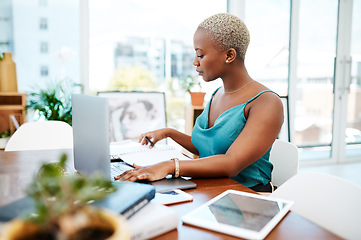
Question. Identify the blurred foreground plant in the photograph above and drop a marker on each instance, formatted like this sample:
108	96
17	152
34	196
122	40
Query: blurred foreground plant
61	200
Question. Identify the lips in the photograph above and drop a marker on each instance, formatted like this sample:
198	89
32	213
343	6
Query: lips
199	73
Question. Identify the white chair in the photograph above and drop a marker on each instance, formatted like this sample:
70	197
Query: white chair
327	200
284	157
41	135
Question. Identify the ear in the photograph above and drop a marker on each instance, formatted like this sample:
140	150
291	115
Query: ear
231	55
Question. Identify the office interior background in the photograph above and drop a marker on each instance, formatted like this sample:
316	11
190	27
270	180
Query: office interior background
308	51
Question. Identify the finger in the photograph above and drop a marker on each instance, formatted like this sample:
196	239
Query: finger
127	177
133	176
143	176
136	166
121	176
141	139
144	141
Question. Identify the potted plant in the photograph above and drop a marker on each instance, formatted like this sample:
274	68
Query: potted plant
62	209
193	86
52	102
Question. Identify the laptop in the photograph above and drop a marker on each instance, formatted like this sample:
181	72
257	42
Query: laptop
91	155
92	143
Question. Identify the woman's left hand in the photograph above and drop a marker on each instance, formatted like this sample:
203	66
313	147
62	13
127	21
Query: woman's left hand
151	173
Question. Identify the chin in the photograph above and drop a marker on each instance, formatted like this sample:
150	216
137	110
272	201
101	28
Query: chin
209	79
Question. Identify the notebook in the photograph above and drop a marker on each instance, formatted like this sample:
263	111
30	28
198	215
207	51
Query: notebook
127	200
131	152
92	146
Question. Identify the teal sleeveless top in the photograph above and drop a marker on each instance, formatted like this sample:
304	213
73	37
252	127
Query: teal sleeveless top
217	140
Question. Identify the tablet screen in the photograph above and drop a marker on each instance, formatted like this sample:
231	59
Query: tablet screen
240	214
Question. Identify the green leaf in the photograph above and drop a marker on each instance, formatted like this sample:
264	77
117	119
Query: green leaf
53	102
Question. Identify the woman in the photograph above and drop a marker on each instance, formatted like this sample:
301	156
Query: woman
234	134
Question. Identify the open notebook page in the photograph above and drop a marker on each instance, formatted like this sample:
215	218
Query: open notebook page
133	152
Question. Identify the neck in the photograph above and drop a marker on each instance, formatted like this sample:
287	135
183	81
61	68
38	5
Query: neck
236	77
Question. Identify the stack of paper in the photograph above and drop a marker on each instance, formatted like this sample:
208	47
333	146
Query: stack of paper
152	220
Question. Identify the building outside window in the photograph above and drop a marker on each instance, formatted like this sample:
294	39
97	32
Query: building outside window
35	44
43	3
43	23
44	47
44	71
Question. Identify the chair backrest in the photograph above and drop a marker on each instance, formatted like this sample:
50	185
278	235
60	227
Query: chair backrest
41	135
327	200
284	157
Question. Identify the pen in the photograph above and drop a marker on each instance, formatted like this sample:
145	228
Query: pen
150	141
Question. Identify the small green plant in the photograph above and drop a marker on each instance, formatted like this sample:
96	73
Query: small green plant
52	103
5	134
189	83
59	196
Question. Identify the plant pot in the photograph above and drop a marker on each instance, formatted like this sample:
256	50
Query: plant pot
197	98
19	229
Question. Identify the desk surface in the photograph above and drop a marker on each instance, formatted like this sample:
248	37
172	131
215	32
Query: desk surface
17	169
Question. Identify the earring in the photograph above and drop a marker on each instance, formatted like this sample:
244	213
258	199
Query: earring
227	61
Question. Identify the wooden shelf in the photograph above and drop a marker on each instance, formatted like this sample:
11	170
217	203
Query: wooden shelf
11	107
12	103
192	112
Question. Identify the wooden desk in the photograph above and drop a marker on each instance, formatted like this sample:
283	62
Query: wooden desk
17	169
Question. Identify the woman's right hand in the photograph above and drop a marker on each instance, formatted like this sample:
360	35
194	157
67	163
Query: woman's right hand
153	137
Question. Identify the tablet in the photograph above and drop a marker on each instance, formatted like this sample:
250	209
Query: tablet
240	214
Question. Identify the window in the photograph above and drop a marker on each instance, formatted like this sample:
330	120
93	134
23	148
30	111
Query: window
44	47
44	71
353	130
43	3
146	42
267	56
154	38
43	24
314	115
56	47
160	40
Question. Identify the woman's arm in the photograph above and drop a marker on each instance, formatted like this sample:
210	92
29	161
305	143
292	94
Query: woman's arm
264	121
182	139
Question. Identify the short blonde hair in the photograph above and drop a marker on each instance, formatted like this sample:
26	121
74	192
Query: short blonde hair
228	31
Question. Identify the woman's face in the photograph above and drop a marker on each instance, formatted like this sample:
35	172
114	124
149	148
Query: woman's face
210	59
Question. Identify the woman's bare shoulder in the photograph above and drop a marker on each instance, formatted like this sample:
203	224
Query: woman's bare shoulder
264	94
267	102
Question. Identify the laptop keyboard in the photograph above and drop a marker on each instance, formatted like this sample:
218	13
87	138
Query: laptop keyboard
117	168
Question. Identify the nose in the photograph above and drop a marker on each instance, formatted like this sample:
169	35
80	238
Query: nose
195	61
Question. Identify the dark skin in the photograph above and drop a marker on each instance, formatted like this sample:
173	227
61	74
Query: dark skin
264	118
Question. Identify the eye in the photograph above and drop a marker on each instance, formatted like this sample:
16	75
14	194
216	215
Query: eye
200	56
